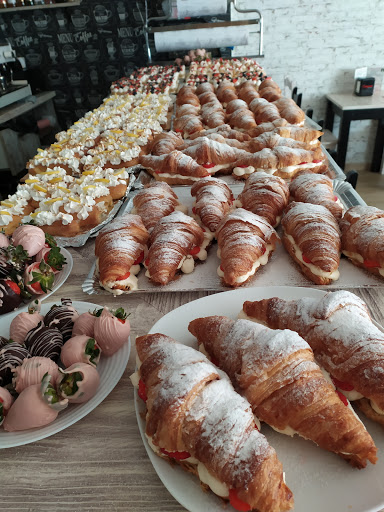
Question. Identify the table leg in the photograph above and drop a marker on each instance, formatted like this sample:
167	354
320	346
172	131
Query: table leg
342	144
378	149
329	116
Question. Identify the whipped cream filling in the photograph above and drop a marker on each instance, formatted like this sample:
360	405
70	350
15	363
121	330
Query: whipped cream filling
240	171
263	260
376	408
352	395
213	483
178	176
313	268
129	284
359	258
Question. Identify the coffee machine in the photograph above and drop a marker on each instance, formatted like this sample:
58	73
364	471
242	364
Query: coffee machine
13	86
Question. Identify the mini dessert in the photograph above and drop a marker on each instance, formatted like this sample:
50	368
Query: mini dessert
12	355
6	400
10	296
44	341
62	317
31	238
24	322
32	371
78	383
80	349
112	330
36	406
85	323
39	278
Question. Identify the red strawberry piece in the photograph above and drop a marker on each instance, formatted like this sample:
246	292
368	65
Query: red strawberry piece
306	260
139	259
176	455
335	198
303	163
193	210
146	262
316	161
142	391
371	264
345	386
342	397
195	250
221	268
13	286
125	276
208	166
237	503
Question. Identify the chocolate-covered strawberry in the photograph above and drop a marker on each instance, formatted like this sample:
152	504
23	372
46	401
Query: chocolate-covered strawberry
80	349
85	323
44	341
12	354
39	278
10	296
53	257
62	317
78	383
6	400
24	322
111	330
12	259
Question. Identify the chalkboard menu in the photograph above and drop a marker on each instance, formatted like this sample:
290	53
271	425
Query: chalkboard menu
78	51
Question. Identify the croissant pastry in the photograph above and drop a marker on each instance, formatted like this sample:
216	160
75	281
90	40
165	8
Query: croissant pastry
226	92
271	140
173	243
196	419
188	124
119	248
187	95
264	195
269	83
155	201
362	239
208	97
269	127
236	105
226	131
345	342
276	372
312	238
204	87
242	119
290	111
247	92
307	187
187	109
213	201
281	161
212	116
174	168
245	242
165	142
213	155
264	111
217	137
307	135
270	93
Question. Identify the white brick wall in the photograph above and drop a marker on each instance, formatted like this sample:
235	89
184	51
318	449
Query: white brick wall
318	45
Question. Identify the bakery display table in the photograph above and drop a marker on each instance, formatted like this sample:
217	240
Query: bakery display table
100	462
356	108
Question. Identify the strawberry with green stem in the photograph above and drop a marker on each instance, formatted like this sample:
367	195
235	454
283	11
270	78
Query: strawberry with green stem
42	277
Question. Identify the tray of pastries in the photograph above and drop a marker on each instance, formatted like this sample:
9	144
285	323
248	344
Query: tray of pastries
215	236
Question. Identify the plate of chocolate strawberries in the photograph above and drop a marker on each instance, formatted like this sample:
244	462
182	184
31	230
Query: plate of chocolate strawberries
32	266
57	363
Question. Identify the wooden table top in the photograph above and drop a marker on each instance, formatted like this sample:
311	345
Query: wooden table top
100	463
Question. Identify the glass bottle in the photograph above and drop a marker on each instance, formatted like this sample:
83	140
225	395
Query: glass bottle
3	4
11	3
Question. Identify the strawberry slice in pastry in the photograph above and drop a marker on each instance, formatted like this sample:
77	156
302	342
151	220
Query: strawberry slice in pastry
175	242
362	238
245	242
312	238
176	168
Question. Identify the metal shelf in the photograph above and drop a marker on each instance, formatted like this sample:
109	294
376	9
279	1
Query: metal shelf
45	6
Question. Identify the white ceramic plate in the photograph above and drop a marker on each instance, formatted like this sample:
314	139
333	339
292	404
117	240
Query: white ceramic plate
110	369
60	279
319	480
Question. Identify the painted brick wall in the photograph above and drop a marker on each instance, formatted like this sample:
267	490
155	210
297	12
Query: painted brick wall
317	45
